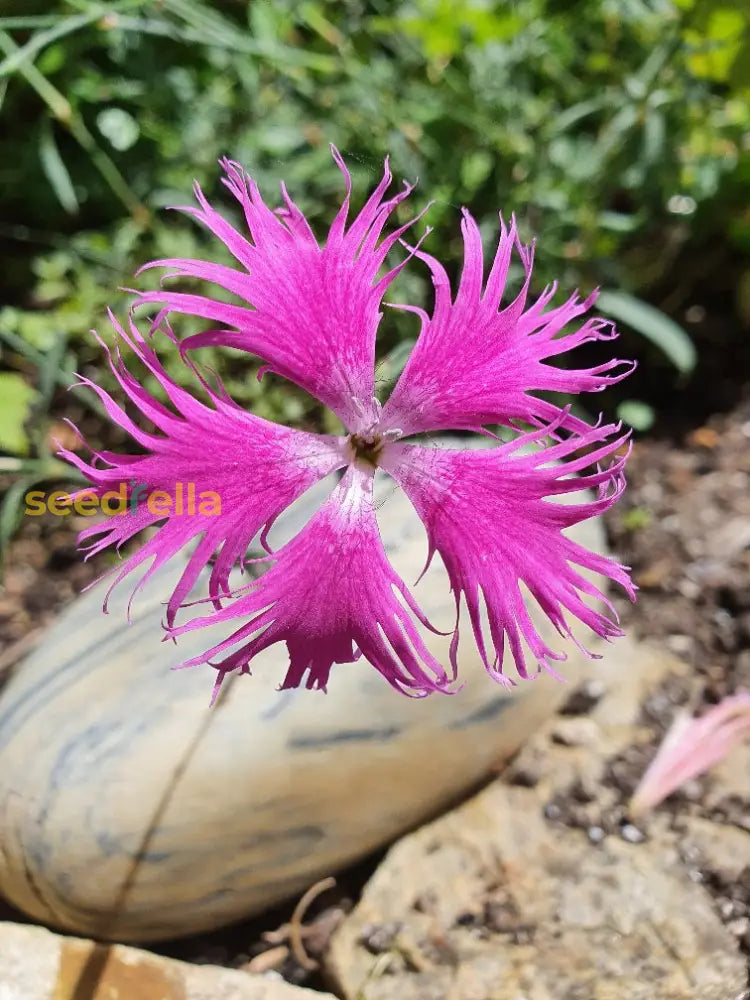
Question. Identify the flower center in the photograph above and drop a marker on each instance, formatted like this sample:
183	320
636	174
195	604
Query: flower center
367	447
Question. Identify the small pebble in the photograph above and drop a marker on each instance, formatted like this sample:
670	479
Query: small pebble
679	644
692	790
378	938
576	732
722	618
691	854
595	834
632	834
710	517
689	589
652	493
552	811
739	927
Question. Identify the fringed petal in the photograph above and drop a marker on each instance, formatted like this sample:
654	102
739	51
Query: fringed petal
330	596
211	472
476	363
487	514
314	310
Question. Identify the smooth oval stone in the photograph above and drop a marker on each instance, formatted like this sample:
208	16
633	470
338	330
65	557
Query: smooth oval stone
129	809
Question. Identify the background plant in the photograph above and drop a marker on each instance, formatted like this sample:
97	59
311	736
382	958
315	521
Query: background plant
615	129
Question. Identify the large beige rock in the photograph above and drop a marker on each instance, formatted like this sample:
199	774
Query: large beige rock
129	809
36	964
495	902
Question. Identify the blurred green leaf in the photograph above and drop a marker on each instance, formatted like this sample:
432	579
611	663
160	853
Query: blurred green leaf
636	519
575	114
11	511
653	324
55	170
618	222
16	399
654	135
638	414
718	42
118	127
476	168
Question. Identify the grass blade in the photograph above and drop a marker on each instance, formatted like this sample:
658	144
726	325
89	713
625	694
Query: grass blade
56	172
653	324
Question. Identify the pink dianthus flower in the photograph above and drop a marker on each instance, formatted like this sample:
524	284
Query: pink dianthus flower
312	312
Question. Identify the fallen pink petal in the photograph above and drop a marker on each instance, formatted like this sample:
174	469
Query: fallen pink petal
311	311
691	747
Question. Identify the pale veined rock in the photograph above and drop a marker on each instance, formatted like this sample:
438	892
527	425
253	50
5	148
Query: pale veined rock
129	809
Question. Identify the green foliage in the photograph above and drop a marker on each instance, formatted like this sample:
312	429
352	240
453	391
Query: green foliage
613	128
636	519
638	414
16	397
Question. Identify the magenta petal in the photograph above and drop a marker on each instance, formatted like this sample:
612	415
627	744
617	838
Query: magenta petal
211	472
486	514
314	310
477	363
331	595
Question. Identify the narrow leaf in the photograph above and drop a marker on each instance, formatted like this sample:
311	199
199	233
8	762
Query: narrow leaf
11	510
651	323
55	170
